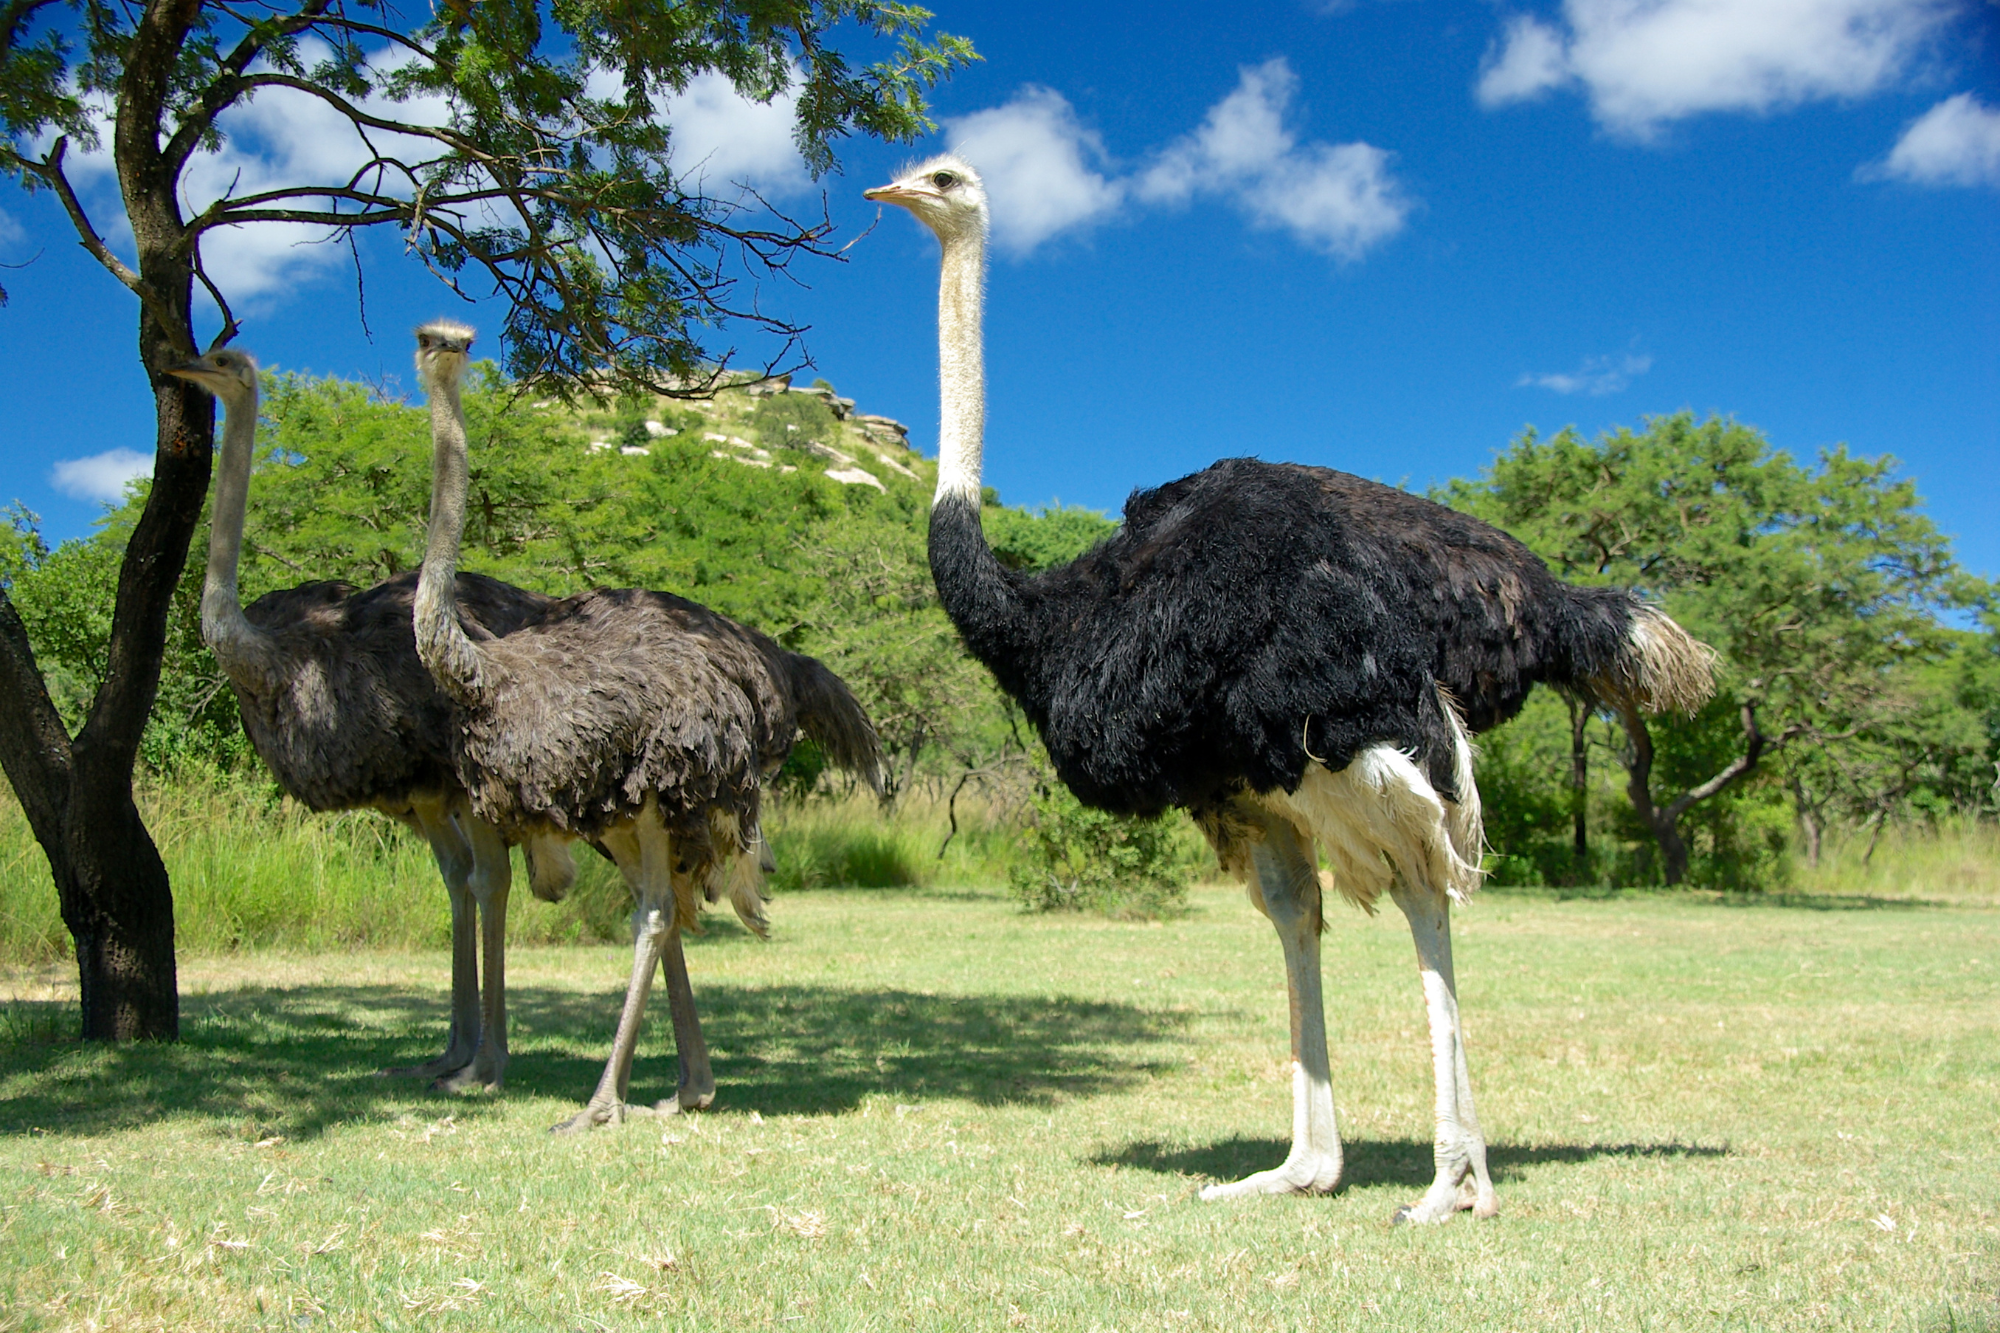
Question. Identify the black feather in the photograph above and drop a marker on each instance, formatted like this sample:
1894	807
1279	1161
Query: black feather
351	717
1254	615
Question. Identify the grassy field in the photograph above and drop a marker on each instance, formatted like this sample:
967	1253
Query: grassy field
937	1113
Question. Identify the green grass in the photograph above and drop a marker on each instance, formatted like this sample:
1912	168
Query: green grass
252	871
937	1113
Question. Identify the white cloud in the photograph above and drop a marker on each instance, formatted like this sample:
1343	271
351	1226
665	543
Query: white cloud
1339	198
721	138
278	139
1956	142
719	135
102	476
1034	157
1525	62
1644	63
1243	135
1046	172
1599	375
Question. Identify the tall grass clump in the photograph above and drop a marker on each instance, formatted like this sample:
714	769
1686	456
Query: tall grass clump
31	929
1956	859
254	870
922	842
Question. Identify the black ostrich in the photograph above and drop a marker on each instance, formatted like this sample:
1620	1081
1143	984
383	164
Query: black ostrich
1295	656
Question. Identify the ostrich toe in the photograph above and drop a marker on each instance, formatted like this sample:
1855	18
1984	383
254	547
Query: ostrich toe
1305	1173
470	1078
591	1116
452	1060
1444	1198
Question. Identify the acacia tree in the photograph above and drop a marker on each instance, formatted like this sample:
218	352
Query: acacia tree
519	147
1817	585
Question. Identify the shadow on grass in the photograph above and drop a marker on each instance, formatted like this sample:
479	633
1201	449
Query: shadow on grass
1810	902
1830	902
1404	1162
261	1061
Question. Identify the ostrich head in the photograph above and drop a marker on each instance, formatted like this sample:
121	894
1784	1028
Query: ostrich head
228	374
944	193
443	347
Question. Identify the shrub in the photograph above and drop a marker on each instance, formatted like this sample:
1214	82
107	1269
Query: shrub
1089	861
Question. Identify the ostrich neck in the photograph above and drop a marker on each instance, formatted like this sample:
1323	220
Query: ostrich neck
961	368
441	640
241	649
979	595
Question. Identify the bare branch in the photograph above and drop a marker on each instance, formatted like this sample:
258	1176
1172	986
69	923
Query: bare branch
229	328
51	171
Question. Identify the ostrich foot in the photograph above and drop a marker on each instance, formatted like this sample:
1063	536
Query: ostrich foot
471	1078
686	1100
450	1062
1302	1173
593	1114
1446	1197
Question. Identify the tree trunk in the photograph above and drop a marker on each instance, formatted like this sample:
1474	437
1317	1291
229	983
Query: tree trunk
119	908
1663	824
1579	785
1664	821
1808	822
115	897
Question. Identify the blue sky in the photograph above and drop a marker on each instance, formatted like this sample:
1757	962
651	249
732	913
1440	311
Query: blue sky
1379	235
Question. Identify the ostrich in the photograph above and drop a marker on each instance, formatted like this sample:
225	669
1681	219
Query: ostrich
635	718
1295	656
343	713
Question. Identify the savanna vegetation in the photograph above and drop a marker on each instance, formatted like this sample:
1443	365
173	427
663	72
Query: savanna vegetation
1855	724
1709	1108
519	150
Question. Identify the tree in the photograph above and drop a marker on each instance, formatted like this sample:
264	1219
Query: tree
513	144
1816	584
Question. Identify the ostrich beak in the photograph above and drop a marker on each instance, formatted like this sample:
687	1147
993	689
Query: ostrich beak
892	193
197	370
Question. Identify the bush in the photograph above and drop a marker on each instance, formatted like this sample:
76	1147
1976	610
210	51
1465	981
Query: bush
1089	861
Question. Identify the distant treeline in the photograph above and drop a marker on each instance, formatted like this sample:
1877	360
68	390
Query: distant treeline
1848	696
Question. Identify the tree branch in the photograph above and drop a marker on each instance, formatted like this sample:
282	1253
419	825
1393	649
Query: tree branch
228	83
50	171
1759	745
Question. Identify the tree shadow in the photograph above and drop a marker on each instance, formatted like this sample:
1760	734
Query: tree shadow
1830	902
1810	902
1405	1162
263	1061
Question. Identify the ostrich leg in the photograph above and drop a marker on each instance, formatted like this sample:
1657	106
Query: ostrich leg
454	856
1459	1148
492	877
697	1080
607	1104
1286	889
645	858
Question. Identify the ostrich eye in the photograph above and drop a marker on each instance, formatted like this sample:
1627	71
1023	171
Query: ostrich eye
944	180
